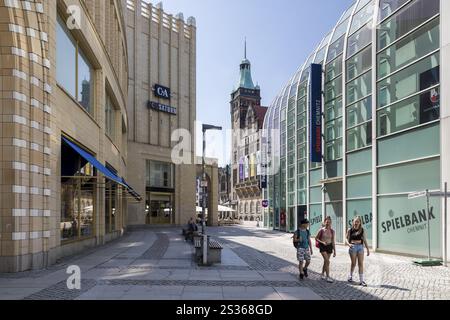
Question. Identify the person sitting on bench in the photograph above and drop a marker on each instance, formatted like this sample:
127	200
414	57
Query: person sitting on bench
191	228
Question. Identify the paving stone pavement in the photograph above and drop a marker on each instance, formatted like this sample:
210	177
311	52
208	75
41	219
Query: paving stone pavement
157	264
389	277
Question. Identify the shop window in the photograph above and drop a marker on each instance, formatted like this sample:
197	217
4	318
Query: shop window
78	185
111	208
73	71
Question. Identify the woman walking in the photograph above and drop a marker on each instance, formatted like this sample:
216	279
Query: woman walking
325	240
356	240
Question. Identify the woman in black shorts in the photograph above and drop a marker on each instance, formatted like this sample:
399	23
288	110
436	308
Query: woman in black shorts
327	246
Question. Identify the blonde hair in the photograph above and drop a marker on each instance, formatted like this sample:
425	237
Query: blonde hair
360	223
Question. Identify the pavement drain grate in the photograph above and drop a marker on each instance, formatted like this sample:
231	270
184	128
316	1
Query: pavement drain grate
158	249
199	283
60	291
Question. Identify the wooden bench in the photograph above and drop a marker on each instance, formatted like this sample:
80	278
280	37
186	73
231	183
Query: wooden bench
214	252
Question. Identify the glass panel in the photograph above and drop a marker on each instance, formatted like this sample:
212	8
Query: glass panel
359	186
359	88
403	225
315	176
389	6
320	56
110	118
406	20
301	182
333	109
363	209
333	130
315	195
333	150
359	40
359	112
360	161
426	142
333	168
414	46
333	89
333	69
363	3
340	30
334	210
361	17
336	48
85	83
359	63
359	137
301	105
415	78
301	167
408	113
65	59
315	218
160	175
302	90
301	197
417	176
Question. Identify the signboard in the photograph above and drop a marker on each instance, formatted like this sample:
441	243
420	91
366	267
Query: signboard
265	203
162	107
417	195
162	92
315	104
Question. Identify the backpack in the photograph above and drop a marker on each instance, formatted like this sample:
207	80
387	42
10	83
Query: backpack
297	233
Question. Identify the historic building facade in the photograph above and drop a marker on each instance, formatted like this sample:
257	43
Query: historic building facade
62	185
161	99
247	116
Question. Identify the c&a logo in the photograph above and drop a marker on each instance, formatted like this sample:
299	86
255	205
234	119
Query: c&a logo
162	92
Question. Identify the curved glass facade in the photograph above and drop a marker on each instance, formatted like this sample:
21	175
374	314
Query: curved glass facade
380	129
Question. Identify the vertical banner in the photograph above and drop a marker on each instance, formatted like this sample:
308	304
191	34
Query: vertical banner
258	163
315	104
241	169
246	167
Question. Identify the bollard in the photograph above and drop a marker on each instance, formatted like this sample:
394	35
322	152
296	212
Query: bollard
205	249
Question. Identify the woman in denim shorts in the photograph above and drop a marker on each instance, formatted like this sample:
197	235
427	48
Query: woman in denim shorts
356	240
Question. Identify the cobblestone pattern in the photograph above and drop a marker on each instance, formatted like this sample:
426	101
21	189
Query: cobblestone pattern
60	291
199	283
388	277
158	249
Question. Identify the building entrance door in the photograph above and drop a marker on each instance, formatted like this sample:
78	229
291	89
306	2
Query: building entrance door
159	208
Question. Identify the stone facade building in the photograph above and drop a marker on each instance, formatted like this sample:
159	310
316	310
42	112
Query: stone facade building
63	128
162	99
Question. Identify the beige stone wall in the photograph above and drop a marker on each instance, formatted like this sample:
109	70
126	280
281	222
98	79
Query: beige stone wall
162	50
35	112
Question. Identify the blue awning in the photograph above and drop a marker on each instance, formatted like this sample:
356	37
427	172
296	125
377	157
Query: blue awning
100	167
91	159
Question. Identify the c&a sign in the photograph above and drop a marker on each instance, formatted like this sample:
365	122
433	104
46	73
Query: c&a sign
162	92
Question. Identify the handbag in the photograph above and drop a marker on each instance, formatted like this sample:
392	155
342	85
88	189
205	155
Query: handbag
319	236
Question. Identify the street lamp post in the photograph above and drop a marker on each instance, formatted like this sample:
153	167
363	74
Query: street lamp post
205	128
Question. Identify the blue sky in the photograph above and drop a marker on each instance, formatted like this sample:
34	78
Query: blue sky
280	35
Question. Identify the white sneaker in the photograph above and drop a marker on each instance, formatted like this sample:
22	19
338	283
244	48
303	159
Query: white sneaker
323	277
329	280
